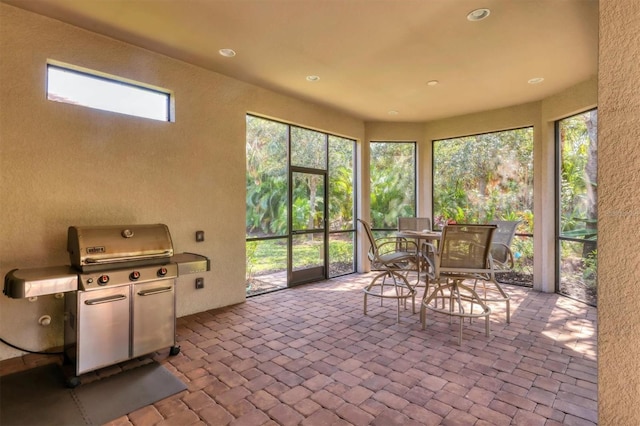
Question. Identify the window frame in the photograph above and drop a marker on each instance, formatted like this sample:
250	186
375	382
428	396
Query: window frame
166	102
558	237
327	171
433	160
379	231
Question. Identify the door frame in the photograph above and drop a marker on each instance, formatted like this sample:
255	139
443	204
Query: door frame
317	273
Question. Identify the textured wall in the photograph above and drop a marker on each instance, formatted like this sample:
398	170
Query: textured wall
63	165
619	213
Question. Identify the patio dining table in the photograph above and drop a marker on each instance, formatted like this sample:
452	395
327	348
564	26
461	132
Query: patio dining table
419	236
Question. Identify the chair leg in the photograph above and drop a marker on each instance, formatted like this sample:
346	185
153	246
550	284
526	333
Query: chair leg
425	302
487	326
475	283
371	284
413	290
365	303
399	295
423	308
399	283
504	297
451	304
483	305
458	294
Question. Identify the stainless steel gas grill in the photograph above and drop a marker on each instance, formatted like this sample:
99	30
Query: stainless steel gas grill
119	292
125	303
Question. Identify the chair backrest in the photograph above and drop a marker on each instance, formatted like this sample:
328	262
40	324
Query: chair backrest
502	238
414	224
372	241
465	248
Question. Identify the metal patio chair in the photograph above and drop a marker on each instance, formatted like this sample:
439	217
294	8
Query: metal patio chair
501	245
462	256
414	224
418	224
395	258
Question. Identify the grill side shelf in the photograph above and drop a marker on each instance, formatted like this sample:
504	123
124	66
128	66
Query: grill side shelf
24	283
191	263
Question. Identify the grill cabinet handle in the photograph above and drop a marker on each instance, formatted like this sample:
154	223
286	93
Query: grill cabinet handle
154	291
126	258
107	299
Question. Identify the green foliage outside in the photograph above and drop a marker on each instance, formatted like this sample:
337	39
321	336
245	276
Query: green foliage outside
578	197
341	183
393	183
476	179
266	256
270	256
487	177
578	205
267	177
484	177
267	196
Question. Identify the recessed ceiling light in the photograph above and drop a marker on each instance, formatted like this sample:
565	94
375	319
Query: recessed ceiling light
536	80
392	112
433	83
228	53
313	78
478	15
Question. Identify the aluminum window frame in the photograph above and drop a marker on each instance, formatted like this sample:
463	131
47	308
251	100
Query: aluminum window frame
139	103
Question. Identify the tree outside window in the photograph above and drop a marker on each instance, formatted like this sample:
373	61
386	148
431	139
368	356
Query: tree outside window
480	178
578	201
393	183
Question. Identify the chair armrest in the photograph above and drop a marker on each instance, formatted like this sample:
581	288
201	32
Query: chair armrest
430	269
427	249
509	262
396	244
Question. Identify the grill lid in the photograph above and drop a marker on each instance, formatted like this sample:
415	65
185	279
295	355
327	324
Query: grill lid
94	248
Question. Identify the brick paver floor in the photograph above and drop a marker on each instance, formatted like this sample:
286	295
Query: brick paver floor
308	356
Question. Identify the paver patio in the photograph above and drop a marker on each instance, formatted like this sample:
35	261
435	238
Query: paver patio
309	356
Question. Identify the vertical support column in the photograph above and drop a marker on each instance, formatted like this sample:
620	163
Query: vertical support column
544	207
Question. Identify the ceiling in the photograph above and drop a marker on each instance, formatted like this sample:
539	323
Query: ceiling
373	57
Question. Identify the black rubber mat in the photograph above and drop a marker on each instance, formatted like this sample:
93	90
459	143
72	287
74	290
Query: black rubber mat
40	397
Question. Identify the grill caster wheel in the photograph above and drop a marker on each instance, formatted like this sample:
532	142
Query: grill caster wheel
66	361
175	350
72	382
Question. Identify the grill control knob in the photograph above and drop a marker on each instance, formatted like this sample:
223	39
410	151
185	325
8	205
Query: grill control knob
103	279
134	275
162	272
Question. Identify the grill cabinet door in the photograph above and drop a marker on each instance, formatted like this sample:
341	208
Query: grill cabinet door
103	327
154	316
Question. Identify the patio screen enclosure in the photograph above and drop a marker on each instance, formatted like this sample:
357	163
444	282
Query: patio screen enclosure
300	205
392	174
485	177
577	201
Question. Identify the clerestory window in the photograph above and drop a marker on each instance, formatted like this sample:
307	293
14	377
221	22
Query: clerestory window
107	93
